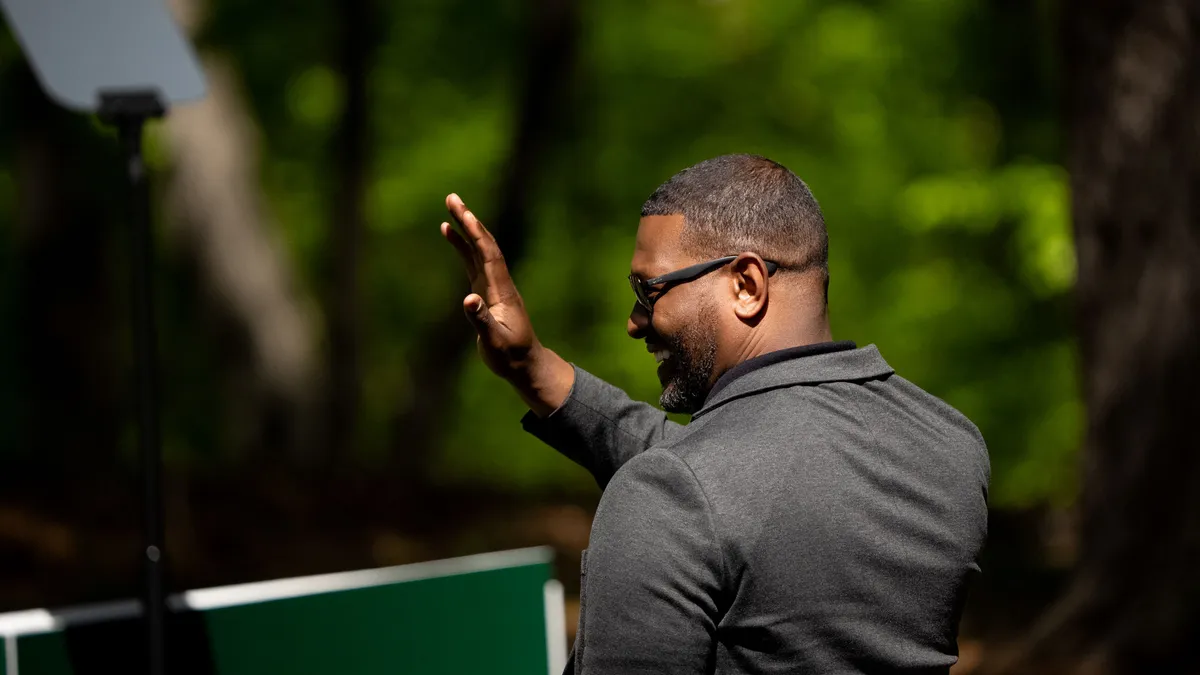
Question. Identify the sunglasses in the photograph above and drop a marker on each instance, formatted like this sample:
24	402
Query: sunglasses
649	291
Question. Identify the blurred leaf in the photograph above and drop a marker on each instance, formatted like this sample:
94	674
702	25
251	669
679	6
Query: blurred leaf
314	97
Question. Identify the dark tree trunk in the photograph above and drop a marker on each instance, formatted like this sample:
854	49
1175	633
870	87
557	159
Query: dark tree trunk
550	61
70	392
350	143
1132	74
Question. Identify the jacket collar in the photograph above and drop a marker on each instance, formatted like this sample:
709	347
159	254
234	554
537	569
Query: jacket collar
838	366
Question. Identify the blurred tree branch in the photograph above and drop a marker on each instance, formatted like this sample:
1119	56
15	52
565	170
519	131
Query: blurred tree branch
214	198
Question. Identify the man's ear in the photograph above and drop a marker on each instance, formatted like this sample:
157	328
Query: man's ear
749	284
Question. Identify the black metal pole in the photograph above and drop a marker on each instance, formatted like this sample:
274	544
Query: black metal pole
130	124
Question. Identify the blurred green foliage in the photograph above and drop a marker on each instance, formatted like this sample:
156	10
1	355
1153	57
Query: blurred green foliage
926	128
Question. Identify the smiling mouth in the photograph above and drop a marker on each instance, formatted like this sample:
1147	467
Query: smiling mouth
660	353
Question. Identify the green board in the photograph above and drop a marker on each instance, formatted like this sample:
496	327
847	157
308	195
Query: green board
497	613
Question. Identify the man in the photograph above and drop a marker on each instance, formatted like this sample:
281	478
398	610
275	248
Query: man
819	514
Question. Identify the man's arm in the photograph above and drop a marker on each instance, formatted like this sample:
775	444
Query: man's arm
593	423
599	427
652	588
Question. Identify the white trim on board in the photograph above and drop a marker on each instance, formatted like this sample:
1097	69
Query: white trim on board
556	626
10	655
45	621
263	591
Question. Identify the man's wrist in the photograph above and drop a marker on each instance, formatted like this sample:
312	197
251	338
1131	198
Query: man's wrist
545	382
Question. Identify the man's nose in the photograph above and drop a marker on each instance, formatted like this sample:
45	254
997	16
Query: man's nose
639	322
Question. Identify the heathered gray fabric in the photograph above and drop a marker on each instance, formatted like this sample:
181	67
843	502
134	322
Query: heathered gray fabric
819	515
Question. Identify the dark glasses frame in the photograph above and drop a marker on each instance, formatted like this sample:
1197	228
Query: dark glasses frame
660	285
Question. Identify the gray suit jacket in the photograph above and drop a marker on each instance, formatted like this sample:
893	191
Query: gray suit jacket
818	515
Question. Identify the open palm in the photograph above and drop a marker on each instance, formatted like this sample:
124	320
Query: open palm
494	307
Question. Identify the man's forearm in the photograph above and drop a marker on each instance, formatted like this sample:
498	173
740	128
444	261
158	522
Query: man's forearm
545	382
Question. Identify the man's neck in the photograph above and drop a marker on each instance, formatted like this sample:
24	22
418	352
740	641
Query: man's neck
767	339
798	334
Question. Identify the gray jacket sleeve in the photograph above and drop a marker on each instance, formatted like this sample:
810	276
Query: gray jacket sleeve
599	427
651	591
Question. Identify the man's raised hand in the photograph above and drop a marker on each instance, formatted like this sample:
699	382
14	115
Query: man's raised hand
506	339
494	307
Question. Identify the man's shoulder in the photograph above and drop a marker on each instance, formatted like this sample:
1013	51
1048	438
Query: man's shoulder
657	471
773	426
753	431
765	416
903	394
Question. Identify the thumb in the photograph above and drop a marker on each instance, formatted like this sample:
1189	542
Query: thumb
477	313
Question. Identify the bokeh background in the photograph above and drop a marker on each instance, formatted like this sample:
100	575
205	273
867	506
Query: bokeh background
324	408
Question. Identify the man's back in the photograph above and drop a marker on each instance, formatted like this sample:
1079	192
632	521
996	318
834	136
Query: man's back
819	515
850	515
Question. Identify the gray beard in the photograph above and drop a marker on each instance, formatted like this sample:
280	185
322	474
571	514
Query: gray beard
695	355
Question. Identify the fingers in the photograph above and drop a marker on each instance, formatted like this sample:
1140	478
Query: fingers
463	249
486	255
482	240
457	209
477	313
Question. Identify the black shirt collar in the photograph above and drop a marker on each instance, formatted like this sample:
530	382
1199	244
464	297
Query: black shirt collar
772	358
